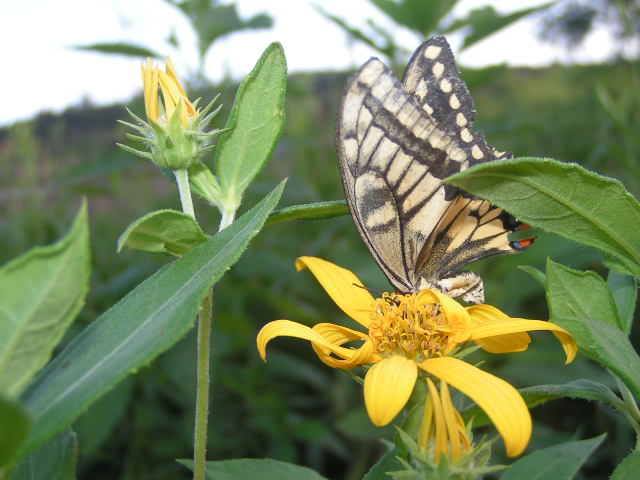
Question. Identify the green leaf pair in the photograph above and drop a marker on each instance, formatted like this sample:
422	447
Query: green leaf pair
145	323
133	332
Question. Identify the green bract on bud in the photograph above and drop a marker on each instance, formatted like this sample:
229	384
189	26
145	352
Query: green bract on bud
174	132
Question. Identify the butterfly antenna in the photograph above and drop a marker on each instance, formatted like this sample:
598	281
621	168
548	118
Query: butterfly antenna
370	290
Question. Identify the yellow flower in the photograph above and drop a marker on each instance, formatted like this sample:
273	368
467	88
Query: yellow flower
442	424
418	332
172	92
174	134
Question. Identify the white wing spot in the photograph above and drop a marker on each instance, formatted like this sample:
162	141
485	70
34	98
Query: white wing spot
465	134
476	152
445	85
432	52
454	102
461	120
438	69
427	109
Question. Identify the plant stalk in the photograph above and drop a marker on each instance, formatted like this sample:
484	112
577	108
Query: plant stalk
202	389
182	178
227	219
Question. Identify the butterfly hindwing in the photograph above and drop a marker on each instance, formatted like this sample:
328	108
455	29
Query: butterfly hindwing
396	143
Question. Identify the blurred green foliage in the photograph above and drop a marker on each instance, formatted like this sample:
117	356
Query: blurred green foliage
294	408
426	19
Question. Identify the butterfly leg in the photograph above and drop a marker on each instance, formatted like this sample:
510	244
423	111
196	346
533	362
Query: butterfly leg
467	285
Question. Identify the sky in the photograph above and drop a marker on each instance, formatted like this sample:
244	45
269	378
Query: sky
43	72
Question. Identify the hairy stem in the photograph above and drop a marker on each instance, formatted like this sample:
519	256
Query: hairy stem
182	177
202	393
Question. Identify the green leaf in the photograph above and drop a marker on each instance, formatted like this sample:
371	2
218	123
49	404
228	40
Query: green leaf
573	295
387	463
95	426
534	272
628	468
583	389
163	231
212	21
203	183
255	125
145	323
120	48
14	425
256	469
562	198
389	48
310	211
420	16
578	302
42	292
559	462
485	21
56	459
624	289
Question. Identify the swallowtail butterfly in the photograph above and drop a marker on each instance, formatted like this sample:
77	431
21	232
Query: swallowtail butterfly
396	143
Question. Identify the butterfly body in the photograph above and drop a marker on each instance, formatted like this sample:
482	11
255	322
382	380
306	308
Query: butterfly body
396	143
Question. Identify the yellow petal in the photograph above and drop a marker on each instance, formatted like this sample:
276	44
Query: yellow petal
340	284
339	335
428	420
170	93
514	342
172	73
150	85
287	328
458	319
513	325
449	413
387	387
441	437
501	402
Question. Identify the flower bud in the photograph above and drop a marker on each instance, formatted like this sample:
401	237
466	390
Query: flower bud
174	132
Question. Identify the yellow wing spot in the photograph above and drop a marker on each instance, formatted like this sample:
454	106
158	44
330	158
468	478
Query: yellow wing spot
457	154
421	89
445	85
380	216
437	139
438	69
461	120
432	51
454	102
476	152
465	134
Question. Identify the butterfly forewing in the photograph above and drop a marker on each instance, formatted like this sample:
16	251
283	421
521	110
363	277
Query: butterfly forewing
396	143
393	158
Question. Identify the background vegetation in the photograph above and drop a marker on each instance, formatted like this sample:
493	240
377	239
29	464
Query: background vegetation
293	408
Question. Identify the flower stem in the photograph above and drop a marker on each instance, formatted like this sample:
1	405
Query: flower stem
182	177
202	392
226	220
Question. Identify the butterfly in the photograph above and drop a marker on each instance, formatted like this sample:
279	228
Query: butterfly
396	142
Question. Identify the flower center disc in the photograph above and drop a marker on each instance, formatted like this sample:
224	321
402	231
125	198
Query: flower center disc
409	325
